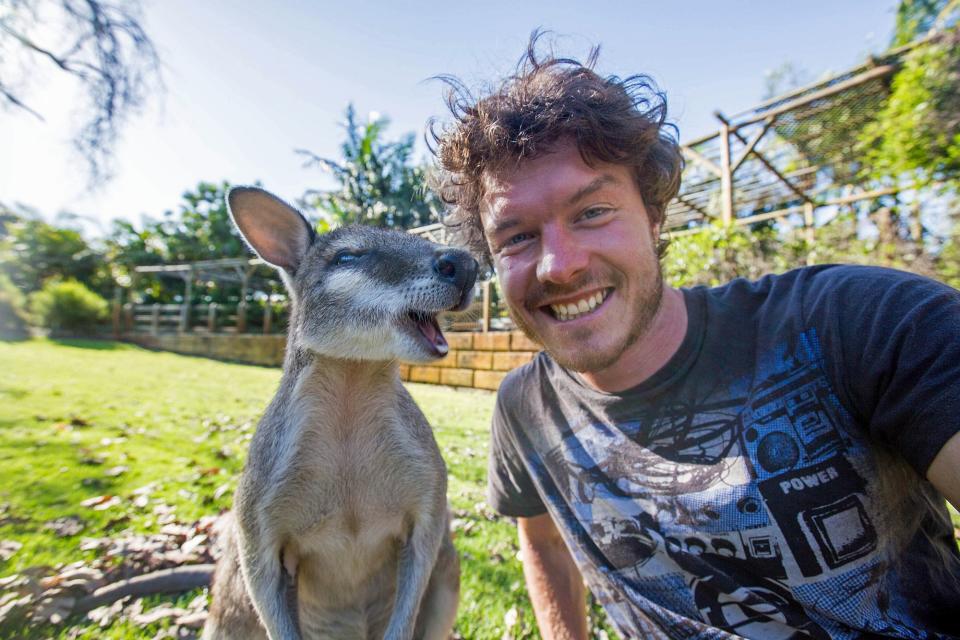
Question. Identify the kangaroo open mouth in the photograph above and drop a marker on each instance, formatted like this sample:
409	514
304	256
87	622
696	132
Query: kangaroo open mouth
429	329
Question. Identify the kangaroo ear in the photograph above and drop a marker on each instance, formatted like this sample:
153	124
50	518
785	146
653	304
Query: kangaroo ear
274	229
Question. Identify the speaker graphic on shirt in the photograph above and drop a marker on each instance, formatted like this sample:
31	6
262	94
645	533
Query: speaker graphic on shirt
809	487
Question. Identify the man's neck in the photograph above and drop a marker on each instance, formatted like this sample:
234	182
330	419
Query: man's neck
650	352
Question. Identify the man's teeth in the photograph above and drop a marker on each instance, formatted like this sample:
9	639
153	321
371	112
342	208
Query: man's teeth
571	310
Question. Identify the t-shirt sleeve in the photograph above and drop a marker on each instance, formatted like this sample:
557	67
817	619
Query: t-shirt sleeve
899	335
510	490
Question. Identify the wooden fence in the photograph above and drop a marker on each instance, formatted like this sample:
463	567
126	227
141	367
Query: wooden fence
477	359
485	314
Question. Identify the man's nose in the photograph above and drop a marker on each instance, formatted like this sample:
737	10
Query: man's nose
562	256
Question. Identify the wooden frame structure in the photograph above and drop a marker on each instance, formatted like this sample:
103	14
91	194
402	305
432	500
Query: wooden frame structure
236	270
778	159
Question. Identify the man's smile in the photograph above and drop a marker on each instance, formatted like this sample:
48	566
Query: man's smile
578	306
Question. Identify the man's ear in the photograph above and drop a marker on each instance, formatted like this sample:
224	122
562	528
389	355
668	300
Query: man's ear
273	229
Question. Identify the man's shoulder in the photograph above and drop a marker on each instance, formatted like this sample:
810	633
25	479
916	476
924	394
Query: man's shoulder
517	382
530	387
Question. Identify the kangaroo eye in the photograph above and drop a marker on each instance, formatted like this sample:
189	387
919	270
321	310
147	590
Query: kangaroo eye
345	257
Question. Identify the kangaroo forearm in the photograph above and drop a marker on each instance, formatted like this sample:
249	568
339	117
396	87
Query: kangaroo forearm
264	576
413	573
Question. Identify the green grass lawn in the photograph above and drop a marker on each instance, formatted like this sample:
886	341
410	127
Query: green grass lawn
73	412
80	419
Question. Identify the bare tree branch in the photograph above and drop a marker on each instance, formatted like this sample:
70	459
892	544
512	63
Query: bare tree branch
17	103
107	51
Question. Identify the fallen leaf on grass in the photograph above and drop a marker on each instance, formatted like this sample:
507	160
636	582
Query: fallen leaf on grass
13	607
463	525
87	456
101	503
7	517
43	595
113	472
66	526
165	513
53	609
8	548
115	522
76	577
103	616
92	483
193	544
161	612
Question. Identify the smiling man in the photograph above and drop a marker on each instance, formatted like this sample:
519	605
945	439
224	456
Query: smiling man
763	459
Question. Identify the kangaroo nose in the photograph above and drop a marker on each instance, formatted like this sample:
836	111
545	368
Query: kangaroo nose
456	267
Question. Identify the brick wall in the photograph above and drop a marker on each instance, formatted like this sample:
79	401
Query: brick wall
478	360
250	349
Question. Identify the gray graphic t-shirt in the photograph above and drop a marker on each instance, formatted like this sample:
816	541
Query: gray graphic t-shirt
735	491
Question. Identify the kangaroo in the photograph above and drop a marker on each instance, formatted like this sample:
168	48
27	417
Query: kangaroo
340	527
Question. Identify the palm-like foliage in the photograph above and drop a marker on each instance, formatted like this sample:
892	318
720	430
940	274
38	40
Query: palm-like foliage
378	183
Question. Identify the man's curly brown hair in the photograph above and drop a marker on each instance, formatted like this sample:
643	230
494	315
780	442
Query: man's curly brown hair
548	99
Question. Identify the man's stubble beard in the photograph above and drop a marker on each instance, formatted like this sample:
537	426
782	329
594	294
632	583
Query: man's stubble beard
647	305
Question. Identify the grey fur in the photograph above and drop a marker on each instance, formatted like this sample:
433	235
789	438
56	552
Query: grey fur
341	526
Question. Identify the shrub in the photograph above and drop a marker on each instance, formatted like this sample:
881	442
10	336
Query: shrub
717	254
68	307
13	309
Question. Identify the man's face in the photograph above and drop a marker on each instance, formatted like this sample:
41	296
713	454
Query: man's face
576	255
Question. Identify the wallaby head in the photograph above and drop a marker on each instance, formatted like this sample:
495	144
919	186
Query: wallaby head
360	293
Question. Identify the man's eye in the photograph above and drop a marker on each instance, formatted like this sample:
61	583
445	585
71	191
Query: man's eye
595	212
345	257
517	239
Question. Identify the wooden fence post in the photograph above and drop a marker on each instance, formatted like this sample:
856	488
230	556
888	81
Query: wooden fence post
242	317
916	226
726	175
185	307
155	319
130	320
212	317
267	317
809	231
486	306
117	313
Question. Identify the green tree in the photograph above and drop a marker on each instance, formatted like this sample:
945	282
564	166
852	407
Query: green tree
917	133
915	18
13	309
378	183
34	251
201	228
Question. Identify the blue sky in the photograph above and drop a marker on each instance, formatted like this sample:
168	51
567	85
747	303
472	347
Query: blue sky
249	82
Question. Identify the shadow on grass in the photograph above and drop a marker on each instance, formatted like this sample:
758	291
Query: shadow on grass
97	344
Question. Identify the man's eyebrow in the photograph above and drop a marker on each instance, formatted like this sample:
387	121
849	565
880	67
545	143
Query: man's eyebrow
595	185
502	226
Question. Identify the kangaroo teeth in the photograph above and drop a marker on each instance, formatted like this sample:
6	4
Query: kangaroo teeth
571	310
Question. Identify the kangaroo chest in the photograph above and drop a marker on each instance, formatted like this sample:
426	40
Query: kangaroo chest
360	483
